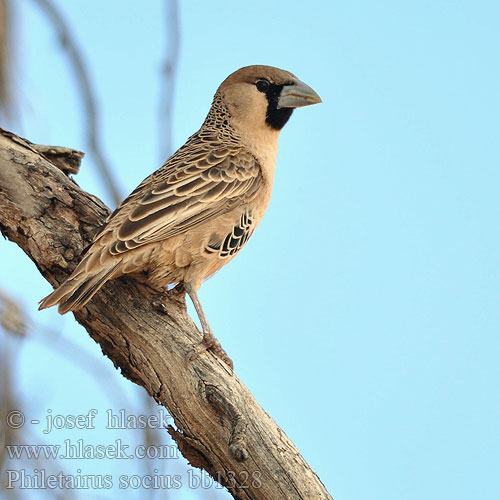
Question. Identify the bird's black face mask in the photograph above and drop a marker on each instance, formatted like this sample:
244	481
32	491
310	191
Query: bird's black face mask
275	118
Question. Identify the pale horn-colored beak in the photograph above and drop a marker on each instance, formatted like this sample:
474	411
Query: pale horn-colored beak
296	95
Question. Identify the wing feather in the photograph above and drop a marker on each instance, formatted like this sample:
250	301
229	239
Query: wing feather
197	183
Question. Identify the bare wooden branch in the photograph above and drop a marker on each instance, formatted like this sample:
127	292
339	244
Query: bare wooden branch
167	78
219	425
6	97
86	92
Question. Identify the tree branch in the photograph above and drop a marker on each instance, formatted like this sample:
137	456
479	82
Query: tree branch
87	94
167	80
219	425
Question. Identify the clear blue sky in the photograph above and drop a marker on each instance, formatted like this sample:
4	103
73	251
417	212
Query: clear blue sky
374	276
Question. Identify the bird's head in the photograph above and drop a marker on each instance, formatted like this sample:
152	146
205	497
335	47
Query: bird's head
263	97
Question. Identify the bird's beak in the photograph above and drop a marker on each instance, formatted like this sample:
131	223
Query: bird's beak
297	94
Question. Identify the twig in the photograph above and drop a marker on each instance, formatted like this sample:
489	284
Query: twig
169	69
81	74
6	97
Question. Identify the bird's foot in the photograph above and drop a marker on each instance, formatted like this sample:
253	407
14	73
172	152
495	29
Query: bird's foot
210	343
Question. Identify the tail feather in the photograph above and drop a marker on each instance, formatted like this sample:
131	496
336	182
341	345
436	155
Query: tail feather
76	291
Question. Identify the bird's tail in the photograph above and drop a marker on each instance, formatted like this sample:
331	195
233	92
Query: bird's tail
77	290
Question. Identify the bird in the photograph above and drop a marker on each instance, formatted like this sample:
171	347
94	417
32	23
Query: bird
196	212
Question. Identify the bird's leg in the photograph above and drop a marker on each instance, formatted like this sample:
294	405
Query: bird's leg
209	341
208	336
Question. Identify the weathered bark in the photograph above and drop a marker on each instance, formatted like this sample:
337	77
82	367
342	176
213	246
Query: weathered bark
220	426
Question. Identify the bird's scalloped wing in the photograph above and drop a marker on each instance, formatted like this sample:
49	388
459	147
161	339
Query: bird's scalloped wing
199	182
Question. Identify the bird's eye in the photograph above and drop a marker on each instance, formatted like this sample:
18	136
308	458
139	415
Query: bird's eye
262	85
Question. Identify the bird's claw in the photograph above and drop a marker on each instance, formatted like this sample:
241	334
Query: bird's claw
210	343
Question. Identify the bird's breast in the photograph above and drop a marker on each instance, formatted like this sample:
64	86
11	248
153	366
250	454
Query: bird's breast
266	154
